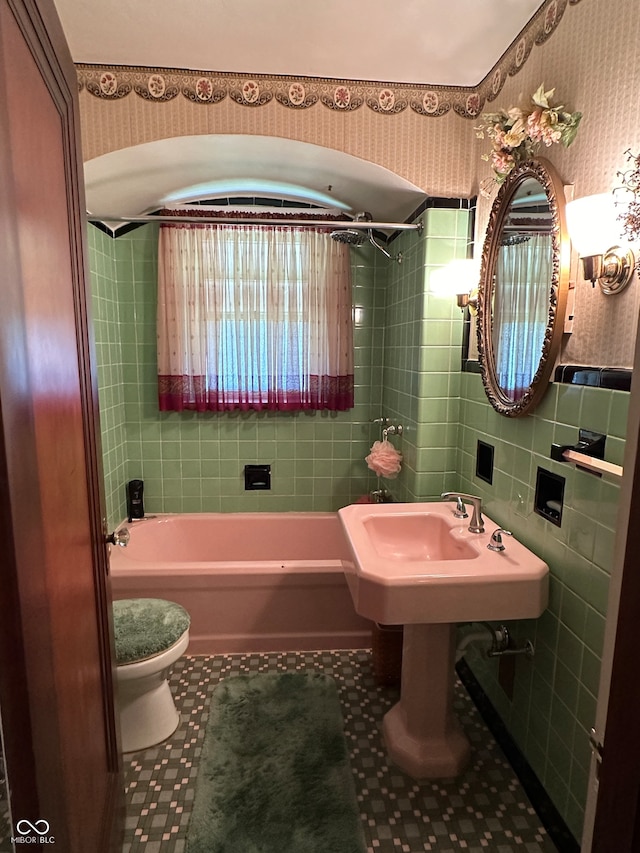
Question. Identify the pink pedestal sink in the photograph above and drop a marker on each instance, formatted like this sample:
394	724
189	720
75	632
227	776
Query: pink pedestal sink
417	565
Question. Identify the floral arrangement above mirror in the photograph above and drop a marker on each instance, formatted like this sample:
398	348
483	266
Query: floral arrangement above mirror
517	133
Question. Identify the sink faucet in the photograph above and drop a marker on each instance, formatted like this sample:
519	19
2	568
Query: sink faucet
477	522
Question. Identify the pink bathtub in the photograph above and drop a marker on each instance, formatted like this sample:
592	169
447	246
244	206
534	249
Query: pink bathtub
251	581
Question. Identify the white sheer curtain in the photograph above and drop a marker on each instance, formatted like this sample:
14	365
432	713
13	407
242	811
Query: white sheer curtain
253	317
521	311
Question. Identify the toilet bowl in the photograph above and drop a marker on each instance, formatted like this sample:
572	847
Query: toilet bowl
151	634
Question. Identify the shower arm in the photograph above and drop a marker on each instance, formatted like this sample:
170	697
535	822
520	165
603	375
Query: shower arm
294	223
387	254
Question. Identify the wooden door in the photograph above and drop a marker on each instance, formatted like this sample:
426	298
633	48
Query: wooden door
56	687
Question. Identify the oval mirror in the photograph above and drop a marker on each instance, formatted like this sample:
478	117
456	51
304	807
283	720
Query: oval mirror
523	288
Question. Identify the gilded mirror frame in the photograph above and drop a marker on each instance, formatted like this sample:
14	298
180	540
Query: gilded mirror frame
545	174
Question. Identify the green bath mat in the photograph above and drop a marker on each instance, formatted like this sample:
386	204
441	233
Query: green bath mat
274	775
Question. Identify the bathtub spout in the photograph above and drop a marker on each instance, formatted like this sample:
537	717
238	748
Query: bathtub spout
381	496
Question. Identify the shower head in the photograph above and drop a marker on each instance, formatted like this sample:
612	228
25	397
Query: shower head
349	236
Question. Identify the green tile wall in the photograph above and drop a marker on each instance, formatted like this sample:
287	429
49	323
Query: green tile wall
105	308
554	701
423	338
194	462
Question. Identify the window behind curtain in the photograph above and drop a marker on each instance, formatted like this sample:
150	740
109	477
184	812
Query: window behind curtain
253	317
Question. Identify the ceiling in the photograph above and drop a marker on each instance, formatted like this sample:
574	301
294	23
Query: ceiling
453	43
405	41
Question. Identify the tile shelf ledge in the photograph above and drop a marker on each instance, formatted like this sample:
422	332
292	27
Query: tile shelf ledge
611	378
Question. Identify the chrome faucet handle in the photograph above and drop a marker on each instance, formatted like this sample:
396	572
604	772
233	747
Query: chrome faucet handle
495	543
477	522
460	511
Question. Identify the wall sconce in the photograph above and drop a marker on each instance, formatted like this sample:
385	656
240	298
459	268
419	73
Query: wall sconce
458	278
593	226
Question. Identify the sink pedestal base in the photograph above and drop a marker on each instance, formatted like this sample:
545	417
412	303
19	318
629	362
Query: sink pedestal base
421	732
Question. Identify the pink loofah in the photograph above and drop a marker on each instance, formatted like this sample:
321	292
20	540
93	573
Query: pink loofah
384	459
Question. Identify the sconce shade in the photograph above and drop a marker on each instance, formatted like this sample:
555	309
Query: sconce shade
593	224
457	277
595	230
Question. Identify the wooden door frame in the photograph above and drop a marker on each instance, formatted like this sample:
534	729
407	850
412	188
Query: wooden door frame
28	687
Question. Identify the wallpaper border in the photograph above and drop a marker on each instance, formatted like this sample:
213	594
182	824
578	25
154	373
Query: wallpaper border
112	83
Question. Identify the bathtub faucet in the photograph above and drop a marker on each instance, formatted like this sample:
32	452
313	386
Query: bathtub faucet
477	521
381	496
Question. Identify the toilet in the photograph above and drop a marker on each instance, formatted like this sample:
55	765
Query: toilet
151	634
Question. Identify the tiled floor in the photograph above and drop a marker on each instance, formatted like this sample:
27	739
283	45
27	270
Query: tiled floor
485	809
